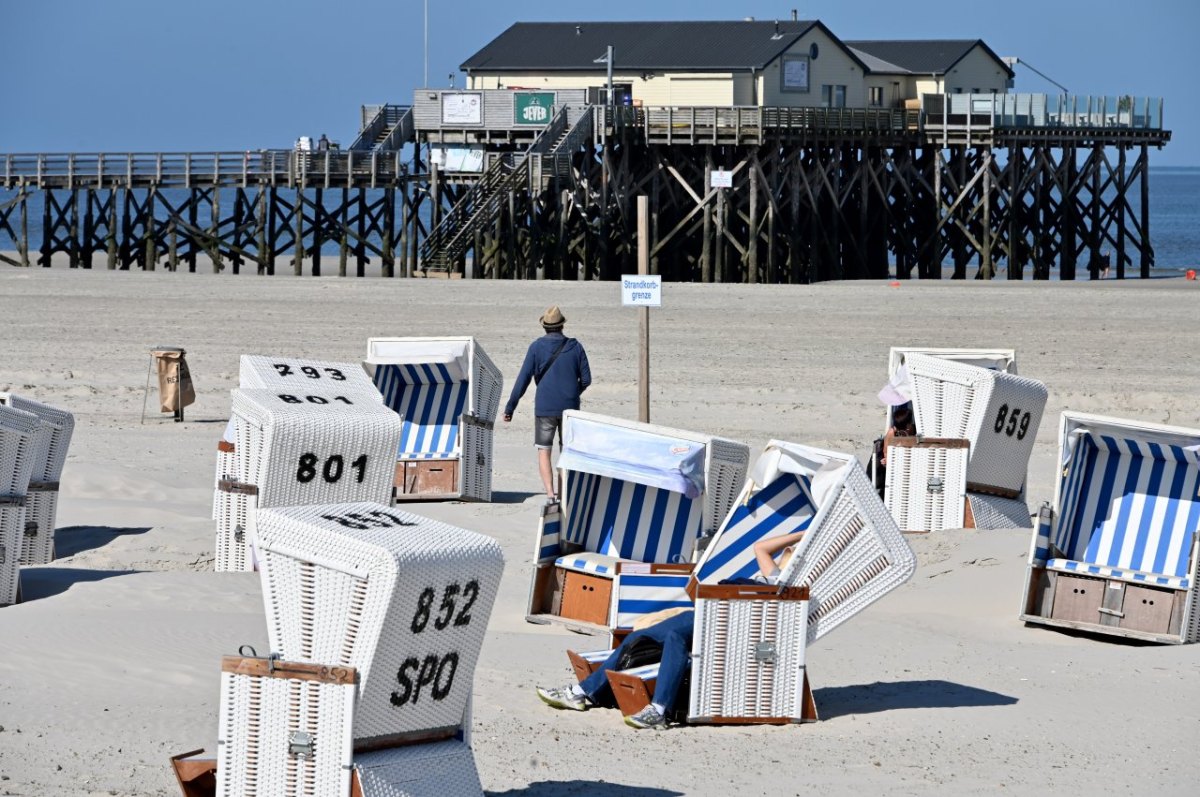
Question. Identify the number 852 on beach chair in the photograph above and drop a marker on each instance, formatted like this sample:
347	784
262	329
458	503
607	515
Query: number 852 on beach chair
636	500
1118	552
447	392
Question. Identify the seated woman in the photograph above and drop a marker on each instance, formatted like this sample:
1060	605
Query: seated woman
764	554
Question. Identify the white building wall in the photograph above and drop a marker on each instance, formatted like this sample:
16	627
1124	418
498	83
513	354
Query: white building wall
832	66
977	73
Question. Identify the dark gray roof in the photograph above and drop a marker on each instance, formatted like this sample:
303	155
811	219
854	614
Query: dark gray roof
684	46
923	56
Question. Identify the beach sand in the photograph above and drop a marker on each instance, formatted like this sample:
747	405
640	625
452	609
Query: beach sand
111	664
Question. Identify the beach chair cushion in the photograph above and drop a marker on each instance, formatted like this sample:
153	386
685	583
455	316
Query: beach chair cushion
630	521
430	399
1128	506
595	563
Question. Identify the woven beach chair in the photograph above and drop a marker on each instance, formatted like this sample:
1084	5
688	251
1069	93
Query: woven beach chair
637	498
403	599
1118	551
19	432
925	485
447	390
285	728
41	509
286	453
748	650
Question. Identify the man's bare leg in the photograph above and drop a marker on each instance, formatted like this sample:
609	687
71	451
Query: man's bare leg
546	471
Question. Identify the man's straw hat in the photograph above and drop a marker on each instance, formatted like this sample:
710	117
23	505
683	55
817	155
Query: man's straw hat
553	317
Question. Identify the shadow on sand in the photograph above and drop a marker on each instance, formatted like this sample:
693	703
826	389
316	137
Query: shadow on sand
511	496
46	582
839	701
552	788
71	540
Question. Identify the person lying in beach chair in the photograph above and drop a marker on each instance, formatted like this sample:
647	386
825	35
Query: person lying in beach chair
669	642
769	570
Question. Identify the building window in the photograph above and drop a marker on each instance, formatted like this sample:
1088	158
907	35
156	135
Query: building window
875	96
833	96
793	76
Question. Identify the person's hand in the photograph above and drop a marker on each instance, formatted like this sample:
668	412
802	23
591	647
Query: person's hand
507	417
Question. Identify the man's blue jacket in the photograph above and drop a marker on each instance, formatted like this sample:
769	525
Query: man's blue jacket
561	386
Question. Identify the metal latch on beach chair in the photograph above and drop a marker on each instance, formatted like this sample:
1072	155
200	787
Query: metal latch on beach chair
43	487
935	484
764	651
31	528
236	487
12	500
300	744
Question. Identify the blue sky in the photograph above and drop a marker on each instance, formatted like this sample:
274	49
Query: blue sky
166	75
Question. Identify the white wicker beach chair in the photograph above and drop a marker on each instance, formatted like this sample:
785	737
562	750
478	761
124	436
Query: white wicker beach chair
926	483
1118	552
286	453
41	509
997	412
19	431
447	390
748	648
301	377
285	728
637	498
403	599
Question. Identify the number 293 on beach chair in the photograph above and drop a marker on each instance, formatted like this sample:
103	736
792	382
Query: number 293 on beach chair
403	600
447	391
1118	552
636	500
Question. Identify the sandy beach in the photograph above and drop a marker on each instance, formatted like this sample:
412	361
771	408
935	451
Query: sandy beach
111	663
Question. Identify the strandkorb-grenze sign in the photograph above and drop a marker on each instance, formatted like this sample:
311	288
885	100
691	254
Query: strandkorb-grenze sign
641	290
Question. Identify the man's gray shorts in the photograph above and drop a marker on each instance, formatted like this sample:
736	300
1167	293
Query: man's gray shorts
544	427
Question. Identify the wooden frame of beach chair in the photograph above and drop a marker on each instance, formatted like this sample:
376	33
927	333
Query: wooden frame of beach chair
852	554
284	728
19	432
1118	552
986	509
41	510
925	485
620	542
403	599
447	391
286	453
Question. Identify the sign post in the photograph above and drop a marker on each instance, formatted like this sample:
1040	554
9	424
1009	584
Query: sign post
643	291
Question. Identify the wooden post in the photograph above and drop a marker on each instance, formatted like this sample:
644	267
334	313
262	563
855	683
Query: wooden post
1096	232
752	243
46	248
262	245
985	257
88	244
23	245
1147	259
706	264
194	198
643	215
110	239
343	218
1016	204
1122	203
318	228
172	246
74	228
298	243
360	247
385	234
214	231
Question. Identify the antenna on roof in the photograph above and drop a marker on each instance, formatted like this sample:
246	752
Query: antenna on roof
578	30
795	15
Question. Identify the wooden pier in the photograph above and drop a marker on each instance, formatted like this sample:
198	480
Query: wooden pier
1004	185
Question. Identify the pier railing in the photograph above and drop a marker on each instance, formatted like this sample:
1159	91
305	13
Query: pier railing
287	168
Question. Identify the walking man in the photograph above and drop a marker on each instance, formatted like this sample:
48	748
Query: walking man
558	366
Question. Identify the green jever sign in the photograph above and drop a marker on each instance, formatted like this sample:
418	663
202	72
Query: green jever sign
533	108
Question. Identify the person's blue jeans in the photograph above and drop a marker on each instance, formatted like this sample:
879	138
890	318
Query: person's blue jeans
675	636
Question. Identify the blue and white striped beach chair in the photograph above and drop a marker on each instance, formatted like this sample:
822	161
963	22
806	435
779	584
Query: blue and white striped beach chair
1118	552
447	393
636	500
748	652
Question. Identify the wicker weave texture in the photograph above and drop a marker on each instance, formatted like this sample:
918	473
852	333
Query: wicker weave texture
63	423
1191	610
748	659
258	717
18	431
302	453
486	384
476	461
441	769
728	463
37	543
12	526
402	598
999	413
301	377
852	555
925	487
994	512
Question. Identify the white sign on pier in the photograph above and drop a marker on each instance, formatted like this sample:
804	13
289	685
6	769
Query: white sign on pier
641	290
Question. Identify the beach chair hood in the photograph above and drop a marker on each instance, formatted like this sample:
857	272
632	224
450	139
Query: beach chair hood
635	456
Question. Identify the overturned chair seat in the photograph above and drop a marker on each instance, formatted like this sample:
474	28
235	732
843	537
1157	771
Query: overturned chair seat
447	391
20	435
636	499
971	395
1118	552
41	510
286	453
294	381
405	601
750	639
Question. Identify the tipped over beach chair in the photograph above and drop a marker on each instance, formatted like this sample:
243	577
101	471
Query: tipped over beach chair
1118	552
41	510
19	435
636	500
971	395
447	391
405	601
287	453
